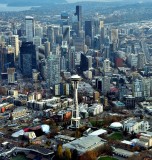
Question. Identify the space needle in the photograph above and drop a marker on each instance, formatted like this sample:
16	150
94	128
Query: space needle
75	120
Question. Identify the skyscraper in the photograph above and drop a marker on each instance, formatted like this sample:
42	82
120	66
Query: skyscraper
27	58
50	34
6	57
64	56
106	85
88	29
88	33
106	67
71	58
47	49
79	14
64	18
15	44
30	28
53	70
38	31
66	33
79	17
141	61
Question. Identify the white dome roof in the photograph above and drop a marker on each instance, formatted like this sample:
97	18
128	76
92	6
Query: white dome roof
45	128
116	125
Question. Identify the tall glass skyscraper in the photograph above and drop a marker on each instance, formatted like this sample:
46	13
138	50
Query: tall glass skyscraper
27	58
30	28
53	70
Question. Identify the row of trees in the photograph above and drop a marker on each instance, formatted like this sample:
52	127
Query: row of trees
67	154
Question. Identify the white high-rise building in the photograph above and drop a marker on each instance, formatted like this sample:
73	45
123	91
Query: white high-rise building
15	44
53	70
37	41
39	31
146	87
89	62
114	35
138	88
132	60
106	66
11	75
30	28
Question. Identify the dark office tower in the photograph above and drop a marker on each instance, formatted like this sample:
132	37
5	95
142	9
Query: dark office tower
6	58
47	49
112	55
27	58
106	54
59	39
2	57
50	34
79	17
79	14
88	29
122	88
84	64
88	41
71	58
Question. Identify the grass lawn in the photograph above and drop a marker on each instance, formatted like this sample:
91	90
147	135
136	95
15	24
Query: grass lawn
116	136
19	157
107	158
96	123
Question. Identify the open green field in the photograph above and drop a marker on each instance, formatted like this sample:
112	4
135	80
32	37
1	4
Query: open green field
19	157
107	158
116	136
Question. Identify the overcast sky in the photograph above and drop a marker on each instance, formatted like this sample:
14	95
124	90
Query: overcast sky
90	0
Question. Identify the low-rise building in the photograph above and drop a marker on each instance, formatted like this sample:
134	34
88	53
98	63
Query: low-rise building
145	141
19	112
135	125
64	138
85	144
95	109
123	153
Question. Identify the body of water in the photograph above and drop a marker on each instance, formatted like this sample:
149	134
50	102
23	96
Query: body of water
6	8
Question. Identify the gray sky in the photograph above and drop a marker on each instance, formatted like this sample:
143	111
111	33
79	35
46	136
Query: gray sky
71	1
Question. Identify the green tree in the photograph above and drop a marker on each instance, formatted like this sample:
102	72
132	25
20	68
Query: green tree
75	154
77	133
67	154
60	151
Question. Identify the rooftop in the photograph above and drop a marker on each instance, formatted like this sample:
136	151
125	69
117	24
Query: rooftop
98	132
118	103
84	144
